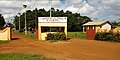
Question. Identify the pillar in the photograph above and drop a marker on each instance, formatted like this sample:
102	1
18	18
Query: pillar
9	33
39	33
83	29
65	30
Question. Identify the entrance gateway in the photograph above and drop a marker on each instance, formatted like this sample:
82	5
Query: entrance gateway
51	25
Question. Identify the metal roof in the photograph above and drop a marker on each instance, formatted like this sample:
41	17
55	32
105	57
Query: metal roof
95	23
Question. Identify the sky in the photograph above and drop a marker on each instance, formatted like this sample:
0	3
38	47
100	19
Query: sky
95	9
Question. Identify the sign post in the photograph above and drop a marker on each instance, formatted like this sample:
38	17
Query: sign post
52	19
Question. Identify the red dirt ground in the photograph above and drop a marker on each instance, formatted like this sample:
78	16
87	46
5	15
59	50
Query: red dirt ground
74	49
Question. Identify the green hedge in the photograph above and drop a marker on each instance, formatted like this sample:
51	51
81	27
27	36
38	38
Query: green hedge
23	57
108	36
56	36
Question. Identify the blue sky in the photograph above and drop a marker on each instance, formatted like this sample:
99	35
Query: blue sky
95	9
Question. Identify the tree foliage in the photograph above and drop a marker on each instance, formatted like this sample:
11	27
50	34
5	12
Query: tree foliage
75	20
2	21
116	23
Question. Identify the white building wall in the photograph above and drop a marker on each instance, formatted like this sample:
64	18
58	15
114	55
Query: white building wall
106	26
52	24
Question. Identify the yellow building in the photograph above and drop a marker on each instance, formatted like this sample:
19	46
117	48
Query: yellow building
98	25
51	25
5	34
95	26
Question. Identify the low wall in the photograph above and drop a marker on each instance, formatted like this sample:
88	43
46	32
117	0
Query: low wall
117	29
5	34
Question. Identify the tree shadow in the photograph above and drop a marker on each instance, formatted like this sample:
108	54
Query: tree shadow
68	38
14	39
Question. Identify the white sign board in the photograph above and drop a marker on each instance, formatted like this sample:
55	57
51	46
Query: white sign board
52	19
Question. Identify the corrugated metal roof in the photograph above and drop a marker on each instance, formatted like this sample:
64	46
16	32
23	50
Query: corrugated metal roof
95	23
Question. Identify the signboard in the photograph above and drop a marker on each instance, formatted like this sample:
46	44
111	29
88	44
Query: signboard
52	19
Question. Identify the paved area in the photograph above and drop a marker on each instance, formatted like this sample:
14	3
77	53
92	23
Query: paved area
74	49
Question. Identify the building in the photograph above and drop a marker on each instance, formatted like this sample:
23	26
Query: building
95	26
51	25
6	34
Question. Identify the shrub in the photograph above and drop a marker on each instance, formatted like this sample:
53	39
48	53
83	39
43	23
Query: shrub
108	36
116	36
50	36
62	36
56	36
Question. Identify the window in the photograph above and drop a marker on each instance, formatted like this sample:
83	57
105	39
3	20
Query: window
52	29
45	29
91	27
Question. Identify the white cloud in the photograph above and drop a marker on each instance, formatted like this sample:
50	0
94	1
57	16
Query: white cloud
101	9
110	2
55	3
86	9
8	15
71	8
11	4
76	1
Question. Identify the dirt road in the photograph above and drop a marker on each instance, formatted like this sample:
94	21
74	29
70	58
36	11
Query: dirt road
74	49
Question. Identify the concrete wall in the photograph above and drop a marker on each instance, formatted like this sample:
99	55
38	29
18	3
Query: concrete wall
106	26
5	34
117	29
97	28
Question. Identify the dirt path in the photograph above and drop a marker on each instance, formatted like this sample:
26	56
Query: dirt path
74	49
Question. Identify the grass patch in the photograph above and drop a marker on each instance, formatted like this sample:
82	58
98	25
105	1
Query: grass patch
22	57
2	42
76	35
29	34
69	35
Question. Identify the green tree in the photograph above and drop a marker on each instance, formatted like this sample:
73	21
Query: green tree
116	23
2	21
75	20
16	22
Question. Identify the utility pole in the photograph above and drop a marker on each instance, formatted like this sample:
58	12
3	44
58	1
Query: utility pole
36	23
25	19
50	13
50	8
19	22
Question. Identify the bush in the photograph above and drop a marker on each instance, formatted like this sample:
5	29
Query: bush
108	36
56	36
50	36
